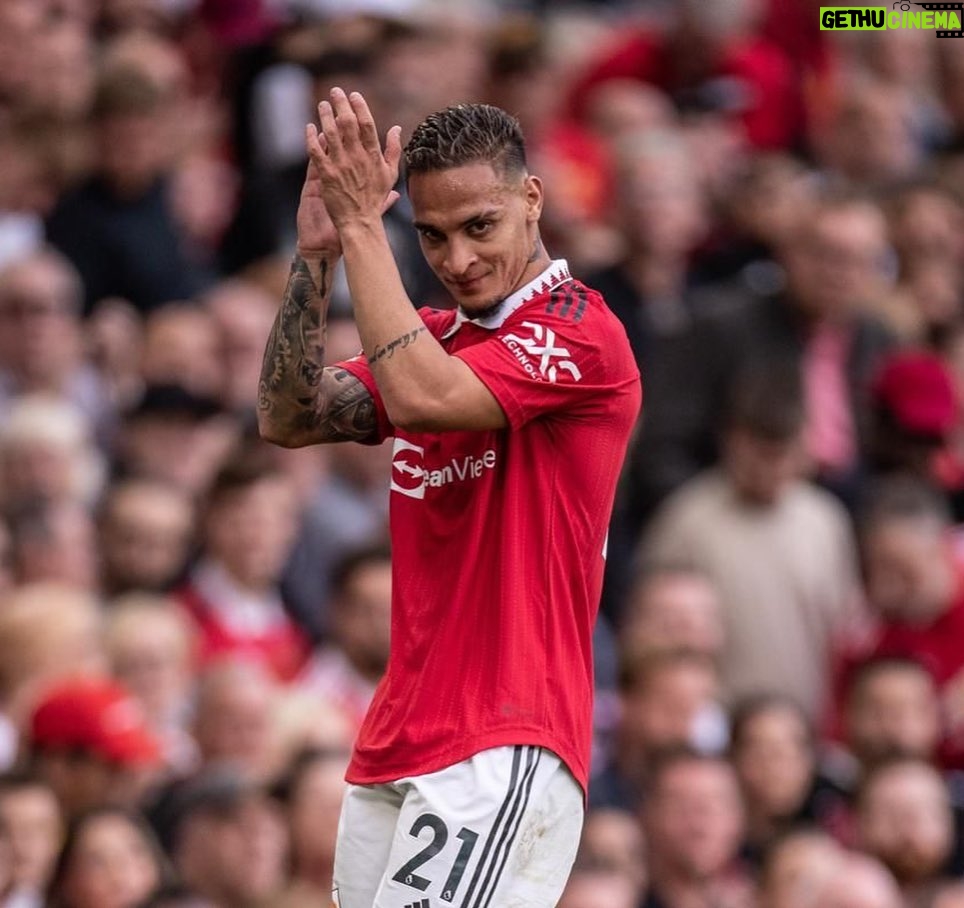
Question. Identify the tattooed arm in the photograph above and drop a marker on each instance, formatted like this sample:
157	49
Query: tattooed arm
300	401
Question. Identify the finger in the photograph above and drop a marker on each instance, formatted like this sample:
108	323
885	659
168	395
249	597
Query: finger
344	116
390	200
329	129
366	122
393	149
315	142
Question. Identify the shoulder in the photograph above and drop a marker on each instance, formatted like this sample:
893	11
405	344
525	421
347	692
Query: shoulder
438	321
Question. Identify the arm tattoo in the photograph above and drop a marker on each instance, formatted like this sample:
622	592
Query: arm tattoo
400	343
299	400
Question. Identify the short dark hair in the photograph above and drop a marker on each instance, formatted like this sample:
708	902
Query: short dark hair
901	497
865	671
355	560
466	134
766	400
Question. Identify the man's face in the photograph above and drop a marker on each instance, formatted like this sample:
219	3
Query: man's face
761	469
32	818
905	820
694	819
838	263
894	711
478	230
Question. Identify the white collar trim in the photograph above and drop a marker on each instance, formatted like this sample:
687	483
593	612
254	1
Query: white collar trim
555	274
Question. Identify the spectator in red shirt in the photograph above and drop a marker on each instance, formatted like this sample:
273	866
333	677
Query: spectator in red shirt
709	60
915	584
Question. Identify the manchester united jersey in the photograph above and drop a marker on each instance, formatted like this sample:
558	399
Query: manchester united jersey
499	538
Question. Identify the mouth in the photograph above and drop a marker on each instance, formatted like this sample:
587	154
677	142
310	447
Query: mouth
467	286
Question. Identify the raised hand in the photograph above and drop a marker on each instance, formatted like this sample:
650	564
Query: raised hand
355	177
317	235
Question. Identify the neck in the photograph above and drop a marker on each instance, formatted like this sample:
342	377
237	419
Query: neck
315	872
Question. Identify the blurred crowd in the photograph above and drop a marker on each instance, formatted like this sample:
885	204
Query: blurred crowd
192	622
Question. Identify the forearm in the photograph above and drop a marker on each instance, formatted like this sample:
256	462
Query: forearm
299	401
411	368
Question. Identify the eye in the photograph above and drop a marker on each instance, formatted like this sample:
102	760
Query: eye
430	235
479	228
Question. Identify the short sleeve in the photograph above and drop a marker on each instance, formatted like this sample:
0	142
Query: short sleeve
358	366
541	362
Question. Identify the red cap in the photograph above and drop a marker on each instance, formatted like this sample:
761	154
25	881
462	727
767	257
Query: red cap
95	715
917	390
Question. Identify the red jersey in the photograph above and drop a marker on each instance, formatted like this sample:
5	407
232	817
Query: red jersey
498	539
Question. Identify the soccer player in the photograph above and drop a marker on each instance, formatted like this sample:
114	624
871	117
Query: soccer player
510	416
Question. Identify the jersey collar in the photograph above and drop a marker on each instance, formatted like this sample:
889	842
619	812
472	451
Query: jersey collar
555	274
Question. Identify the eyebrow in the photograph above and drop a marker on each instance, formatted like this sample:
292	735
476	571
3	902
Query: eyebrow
481	216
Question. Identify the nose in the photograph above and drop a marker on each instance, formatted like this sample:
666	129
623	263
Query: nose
459	257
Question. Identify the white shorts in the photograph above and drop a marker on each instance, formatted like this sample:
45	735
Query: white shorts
499	830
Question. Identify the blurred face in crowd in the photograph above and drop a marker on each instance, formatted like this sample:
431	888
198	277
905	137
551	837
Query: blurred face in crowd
595	889
235	857
84	781
363	617
666	704
859	882
31	816
132	150
149	647
233	722
694	819
145	536
904	819
182	346
893	711
796	868
177	449
670	611
836	262
908	570
928	224
775	762
113	865
250	530
61	548
612	844
313	815
67	87
761	469
244	314
662	209
39	328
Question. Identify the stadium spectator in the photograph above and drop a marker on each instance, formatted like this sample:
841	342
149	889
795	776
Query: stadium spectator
667	699
88	739
54	542
182	346
593	889
110	859
673	607
311	793
173	436
612	844
118	228
741	524
30	816
233	592
904	818
150	646
40	336
859	882
146	530
693	819
225	838
345	671
234	718
796	866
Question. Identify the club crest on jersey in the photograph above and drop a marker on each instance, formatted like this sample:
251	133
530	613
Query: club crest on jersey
411	477
539	355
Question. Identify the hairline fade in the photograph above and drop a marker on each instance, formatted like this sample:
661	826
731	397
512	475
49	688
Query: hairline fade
466	134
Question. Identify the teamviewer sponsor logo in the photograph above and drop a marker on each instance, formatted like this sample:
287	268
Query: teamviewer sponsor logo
539	355
411	476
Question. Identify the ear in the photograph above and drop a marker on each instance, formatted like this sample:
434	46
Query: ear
533	198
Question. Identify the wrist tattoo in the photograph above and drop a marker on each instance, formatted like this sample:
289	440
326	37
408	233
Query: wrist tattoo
400	343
